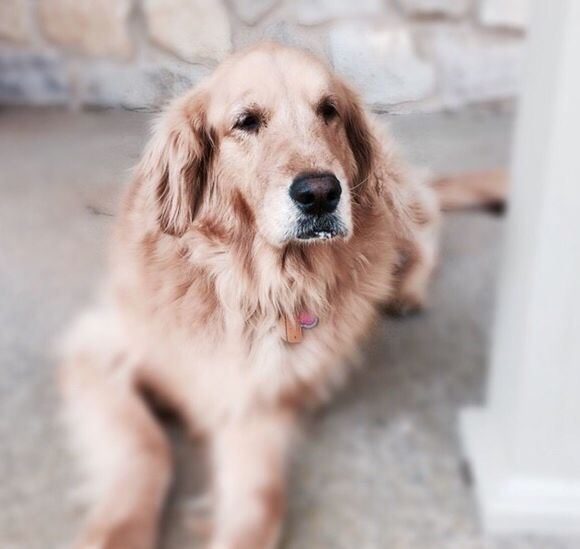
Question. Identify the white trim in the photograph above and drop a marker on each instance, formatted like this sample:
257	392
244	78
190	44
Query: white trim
524	446
509	501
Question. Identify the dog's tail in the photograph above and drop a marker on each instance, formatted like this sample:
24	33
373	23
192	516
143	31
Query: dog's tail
473	190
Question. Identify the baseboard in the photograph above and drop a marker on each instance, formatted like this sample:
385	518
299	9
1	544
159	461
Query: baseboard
509	502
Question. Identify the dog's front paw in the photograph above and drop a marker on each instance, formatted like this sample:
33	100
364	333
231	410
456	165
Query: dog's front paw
125	535
404	306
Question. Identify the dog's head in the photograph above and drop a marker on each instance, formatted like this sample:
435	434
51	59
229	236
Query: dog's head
274	138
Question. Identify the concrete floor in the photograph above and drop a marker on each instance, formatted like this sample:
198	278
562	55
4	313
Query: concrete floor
381	468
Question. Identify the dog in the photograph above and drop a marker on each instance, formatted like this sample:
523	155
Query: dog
266	225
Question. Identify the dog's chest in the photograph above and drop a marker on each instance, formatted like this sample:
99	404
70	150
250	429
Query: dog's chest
220	348
216	379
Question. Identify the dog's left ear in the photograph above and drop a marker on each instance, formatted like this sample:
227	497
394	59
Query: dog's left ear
177	162
360	137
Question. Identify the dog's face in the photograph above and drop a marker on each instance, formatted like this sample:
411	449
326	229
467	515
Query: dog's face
276	135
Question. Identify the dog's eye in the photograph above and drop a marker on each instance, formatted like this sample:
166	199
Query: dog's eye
327	110
248	122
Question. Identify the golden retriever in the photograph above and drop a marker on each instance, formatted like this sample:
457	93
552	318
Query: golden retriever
265	225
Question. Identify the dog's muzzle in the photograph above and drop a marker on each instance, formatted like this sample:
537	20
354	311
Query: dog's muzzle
317	196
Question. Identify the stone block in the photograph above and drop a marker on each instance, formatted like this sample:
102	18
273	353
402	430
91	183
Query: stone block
33	79
191	29
448	8
94	28
474	69
314	12
14	22
505	13
382	63
251	11
141	87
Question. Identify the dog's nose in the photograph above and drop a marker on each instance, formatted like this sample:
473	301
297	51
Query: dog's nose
316	193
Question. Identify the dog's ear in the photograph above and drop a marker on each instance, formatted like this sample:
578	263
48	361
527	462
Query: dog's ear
360	137
177	163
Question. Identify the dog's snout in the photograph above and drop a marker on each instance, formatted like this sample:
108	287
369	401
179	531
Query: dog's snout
316	193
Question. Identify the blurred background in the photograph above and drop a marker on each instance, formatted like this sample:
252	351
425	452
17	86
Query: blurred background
385	466
405	55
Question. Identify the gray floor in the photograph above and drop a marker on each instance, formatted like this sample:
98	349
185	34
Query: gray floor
380	468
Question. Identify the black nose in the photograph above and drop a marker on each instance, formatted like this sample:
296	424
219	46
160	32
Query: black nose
316	193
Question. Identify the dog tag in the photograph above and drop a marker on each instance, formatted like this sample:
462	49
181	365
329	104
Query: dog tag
307	320
291	330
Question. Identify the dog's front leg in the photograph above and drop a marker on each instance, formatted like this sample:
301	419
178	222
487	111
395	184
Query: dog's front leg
250	457
123	451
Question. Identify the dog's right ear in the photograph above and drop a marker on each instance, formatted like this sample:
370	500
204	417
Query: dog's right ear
176	164
360	137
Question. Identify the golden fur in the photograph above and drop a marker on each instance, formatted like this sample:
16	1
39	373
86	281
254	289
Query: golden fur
203	268
473	190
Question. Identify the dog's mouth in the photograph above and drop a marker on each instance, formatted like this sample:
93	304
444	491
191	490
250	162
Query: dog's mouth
320	227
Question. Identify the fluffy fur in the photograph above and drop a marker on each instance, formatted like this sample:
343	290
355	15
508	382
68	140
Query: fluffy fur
205	265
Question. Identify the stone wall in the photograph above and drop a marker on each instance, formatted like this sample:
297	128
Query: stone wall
405	55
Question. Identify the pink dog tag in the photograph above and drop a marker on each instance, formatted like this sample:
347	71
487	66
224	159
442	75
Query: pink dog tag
307	320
